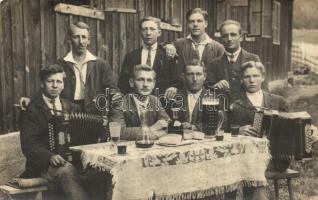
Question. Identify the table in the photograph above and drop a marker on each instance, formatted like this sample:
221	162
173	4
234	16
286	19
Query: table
204	168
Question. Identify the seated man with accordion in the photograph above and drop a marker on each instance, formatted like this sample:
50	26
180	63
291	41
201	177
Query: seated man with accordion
259	113
48	127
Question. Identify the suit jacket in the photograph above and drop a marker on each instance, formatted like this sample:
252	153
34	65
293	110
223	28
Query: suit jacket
130	120
242	110
218	70
34	134
166	69
183	115
99	76
186	52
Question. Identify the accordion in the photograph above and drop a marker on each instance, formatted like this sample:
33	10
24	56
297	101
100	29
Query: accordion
289	133
66	130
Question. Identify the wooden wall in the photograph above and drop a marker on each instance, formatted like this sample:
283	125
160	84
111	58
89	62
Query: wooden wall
32	34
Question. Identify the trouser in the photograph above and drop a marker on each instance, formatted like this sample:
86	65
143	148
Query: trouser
68	179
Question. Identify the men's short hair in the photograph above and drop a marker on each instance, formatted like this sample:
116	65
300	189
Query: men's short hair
228	22
251	64
78	24
49	70
142	67
150	18
197	10
195	62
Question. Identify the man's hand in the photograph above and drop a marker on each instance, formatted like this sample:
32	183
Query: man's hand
117	96
222	84
159	125
157	134
57	161
171	92
248	130
24	102
171	51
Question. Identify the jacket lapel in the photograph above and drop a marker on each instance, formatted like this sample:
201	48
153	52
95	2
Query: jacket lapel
43	107
158	62
131	108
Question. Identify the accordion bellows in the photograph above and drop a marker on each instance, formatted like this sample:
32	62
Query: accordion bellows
289	133
74	129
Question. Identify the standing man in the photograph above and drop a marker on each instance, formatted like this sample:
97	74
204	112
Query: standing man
224	72
35	138
153	55
197	45
87	75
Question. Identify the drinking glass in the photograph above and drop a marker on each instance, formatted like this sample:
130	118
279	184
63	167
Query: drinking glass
114	128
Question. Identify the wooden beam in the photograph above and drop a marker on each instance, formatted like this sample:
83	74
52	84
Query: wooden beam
169	27
78	10
121	10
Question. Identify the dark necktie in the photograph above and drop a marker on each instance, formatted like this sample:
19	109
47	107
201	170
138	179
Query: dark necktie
148	62
196	50
54	107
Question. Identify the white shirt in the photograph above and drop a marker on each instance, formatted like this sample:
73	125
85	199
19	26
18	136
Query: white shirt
256	98
144	53
140	104
233	55
192	100
80	70
48	101
201	44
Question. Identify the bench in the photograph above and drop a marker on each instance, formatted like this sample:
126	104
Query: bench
12	164
11	192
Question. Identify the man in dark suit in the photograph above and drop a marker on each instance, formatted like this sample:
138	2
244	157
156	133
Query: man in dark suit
189	99
35	139
224	72
153	55
243	110
140	108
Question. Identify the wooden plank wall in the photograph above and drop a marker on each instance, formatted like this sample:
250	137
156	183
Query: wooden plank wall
32	34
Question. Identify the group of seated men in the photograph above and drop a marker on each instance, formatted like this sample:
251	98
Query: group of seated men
150	78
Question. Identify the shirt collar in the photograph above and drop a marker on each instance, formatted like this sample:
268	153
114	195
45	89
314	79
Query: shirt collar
48	100
236	53
195	94
153	47
140	103
204	42
89	57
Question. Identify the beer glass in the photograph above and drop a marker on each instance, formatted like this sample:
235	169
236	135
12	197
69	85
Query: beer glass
212	118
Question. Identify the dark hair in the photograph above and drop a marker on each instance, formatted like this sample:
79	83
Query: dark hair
47	71
150	18
195	62
197	10
78	24
228	22
142	67
251	64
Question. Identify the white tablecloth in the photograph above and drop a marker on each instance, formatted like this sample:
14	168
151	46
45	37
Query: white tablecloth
201	169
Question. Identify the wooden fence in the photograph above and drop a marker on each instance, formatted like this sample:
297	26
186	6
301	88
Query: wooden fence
305	55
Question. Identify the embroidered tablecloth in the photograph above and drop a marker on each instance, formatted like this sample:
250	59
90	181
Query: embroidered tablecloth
192	171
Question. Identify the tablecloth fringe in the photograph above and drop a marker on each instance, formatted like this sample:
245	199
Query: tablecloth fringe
209	192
